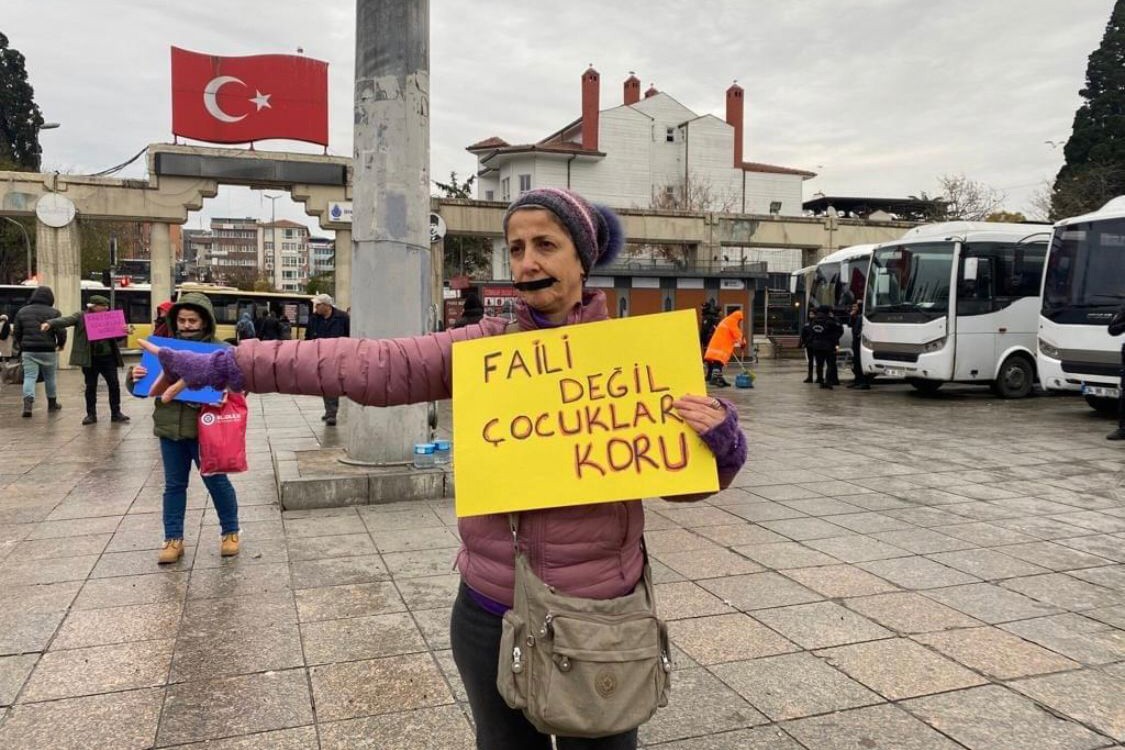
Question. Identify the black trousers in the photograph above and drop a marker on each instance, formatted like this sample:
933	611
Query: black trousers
1121	394
857	367
331	406
475	638
811	361
823	359
106	368
712	368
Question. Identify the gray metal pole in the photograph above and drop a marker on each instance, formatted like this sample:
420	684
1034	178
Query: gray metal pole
390	274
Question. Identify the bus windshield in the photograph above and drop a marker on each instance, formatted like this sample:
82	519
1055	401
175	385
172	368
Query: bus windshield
1085	271
910	283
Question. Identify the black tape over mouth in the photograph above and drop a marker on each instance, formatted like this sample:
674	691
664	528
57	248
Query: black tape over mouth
533	286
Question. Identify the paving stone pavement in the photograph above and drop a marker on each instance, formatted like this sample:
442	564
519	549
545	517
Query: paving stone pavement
889	571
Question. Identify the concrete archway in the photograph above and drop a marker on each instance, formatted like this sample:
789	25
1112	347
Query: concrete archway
179	179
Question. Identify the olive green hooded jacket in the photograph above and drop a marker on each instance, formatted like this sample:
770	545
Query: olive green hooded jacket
179	420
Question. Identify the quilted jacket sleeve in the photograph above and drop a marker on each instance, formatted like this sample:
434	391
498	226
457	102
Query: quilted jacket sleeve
373	372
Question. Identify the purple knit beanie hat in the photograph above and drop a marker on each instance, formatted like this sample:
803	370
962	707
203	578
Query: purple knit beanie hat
595	230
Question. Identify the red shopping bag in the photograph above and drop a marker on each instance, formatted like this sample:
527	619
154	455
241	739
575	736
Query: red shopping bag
222	436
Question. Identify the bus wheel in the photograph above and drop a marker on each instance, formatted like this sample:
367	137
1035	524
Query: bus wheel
1103	405
925	386
1017	376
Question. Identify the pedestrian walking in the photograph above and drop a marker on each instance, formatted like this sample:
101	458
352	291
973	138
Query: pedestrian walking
270	329
284	328
98	359
1116	328
805	342
594	552
472	312
709	320
176	424
727	336
5	339
160	325
826	332
244	328
328	322
855	320
39	350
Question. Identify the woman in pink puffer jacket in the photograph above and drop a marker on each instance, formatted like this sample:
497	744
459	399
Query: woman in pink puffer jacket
554	238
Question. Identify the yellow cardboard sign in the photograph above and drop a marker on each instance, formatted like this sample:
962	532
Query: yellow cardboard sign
577	415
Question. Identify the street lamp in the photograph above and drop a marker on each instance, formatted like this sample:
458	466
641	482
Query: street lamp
273	237
26	241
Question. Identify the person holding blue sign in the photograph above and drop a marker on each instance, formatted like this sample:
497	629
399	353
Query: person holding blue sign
176	423
591	552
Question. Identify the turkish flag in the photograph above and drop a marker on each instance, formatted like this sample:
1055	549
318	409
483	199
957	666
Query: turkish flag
243	99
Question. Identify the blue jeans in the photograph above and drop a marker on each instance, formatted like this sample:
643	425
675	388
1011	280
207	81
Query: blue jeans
179	455
33	364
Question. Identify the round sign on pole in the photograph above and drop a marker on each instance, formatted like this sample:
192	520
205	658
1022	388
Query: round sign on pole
437	228
55	210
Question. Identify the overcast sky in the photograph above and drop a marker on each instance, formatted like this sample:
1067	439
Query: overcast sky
880	97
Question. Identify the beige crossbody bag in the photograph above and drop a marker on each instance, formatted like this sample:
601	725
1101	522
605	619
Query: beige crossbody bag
581	667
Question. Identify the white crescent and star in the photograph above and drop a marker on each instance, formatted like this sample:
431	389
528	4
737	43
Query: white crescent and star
211	102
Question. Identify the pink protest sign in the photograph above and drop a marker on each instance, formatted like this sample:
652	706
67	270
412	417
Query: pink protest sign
105	325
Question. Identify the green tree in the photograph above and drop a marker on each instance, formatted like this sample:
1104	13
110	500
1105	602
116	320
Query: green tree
20	118
1006	217
13	248
1094	170
321	283
464	256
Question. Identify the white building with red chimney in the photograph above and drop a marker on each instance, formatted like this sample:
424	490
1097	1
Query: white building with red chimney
648	151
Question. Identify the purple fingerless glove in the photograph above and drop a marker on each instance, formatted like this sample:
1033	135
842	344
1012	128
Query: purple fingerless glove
726	440
217	370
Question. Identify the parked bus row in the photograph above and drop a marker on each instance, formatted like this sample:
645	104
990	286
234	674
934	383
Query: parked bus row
1003	305
136	302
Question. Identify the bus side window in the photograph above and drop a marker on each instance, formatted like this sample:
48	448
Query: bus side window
975	294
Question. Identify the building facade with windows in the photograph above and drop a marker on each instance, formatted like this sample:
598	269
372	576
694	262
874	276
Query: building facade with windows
647	152
233	253
322	255
283	254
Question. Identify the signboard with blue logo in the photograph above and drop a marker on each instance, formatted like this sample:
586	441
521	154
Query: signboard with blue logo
340	212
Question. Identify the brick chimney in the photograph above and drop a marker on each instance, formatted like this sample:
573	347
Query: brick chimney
632	89
734	119
651	91
591	101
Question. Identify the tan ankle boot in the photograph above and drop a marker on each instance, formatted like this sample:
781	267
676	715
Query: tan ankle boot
229	546
172	551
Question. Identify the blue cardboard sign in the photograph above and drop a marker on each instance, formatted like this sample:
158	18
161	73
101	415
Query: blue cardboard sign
149	361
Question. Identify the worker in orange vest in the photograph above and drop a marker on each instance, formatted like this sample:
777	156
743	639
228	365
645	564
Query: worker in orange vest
727	336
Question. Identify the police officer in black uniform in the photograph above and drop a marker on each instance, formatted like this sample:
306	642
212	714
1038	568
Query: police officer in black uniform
856	322
806	344
826	333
